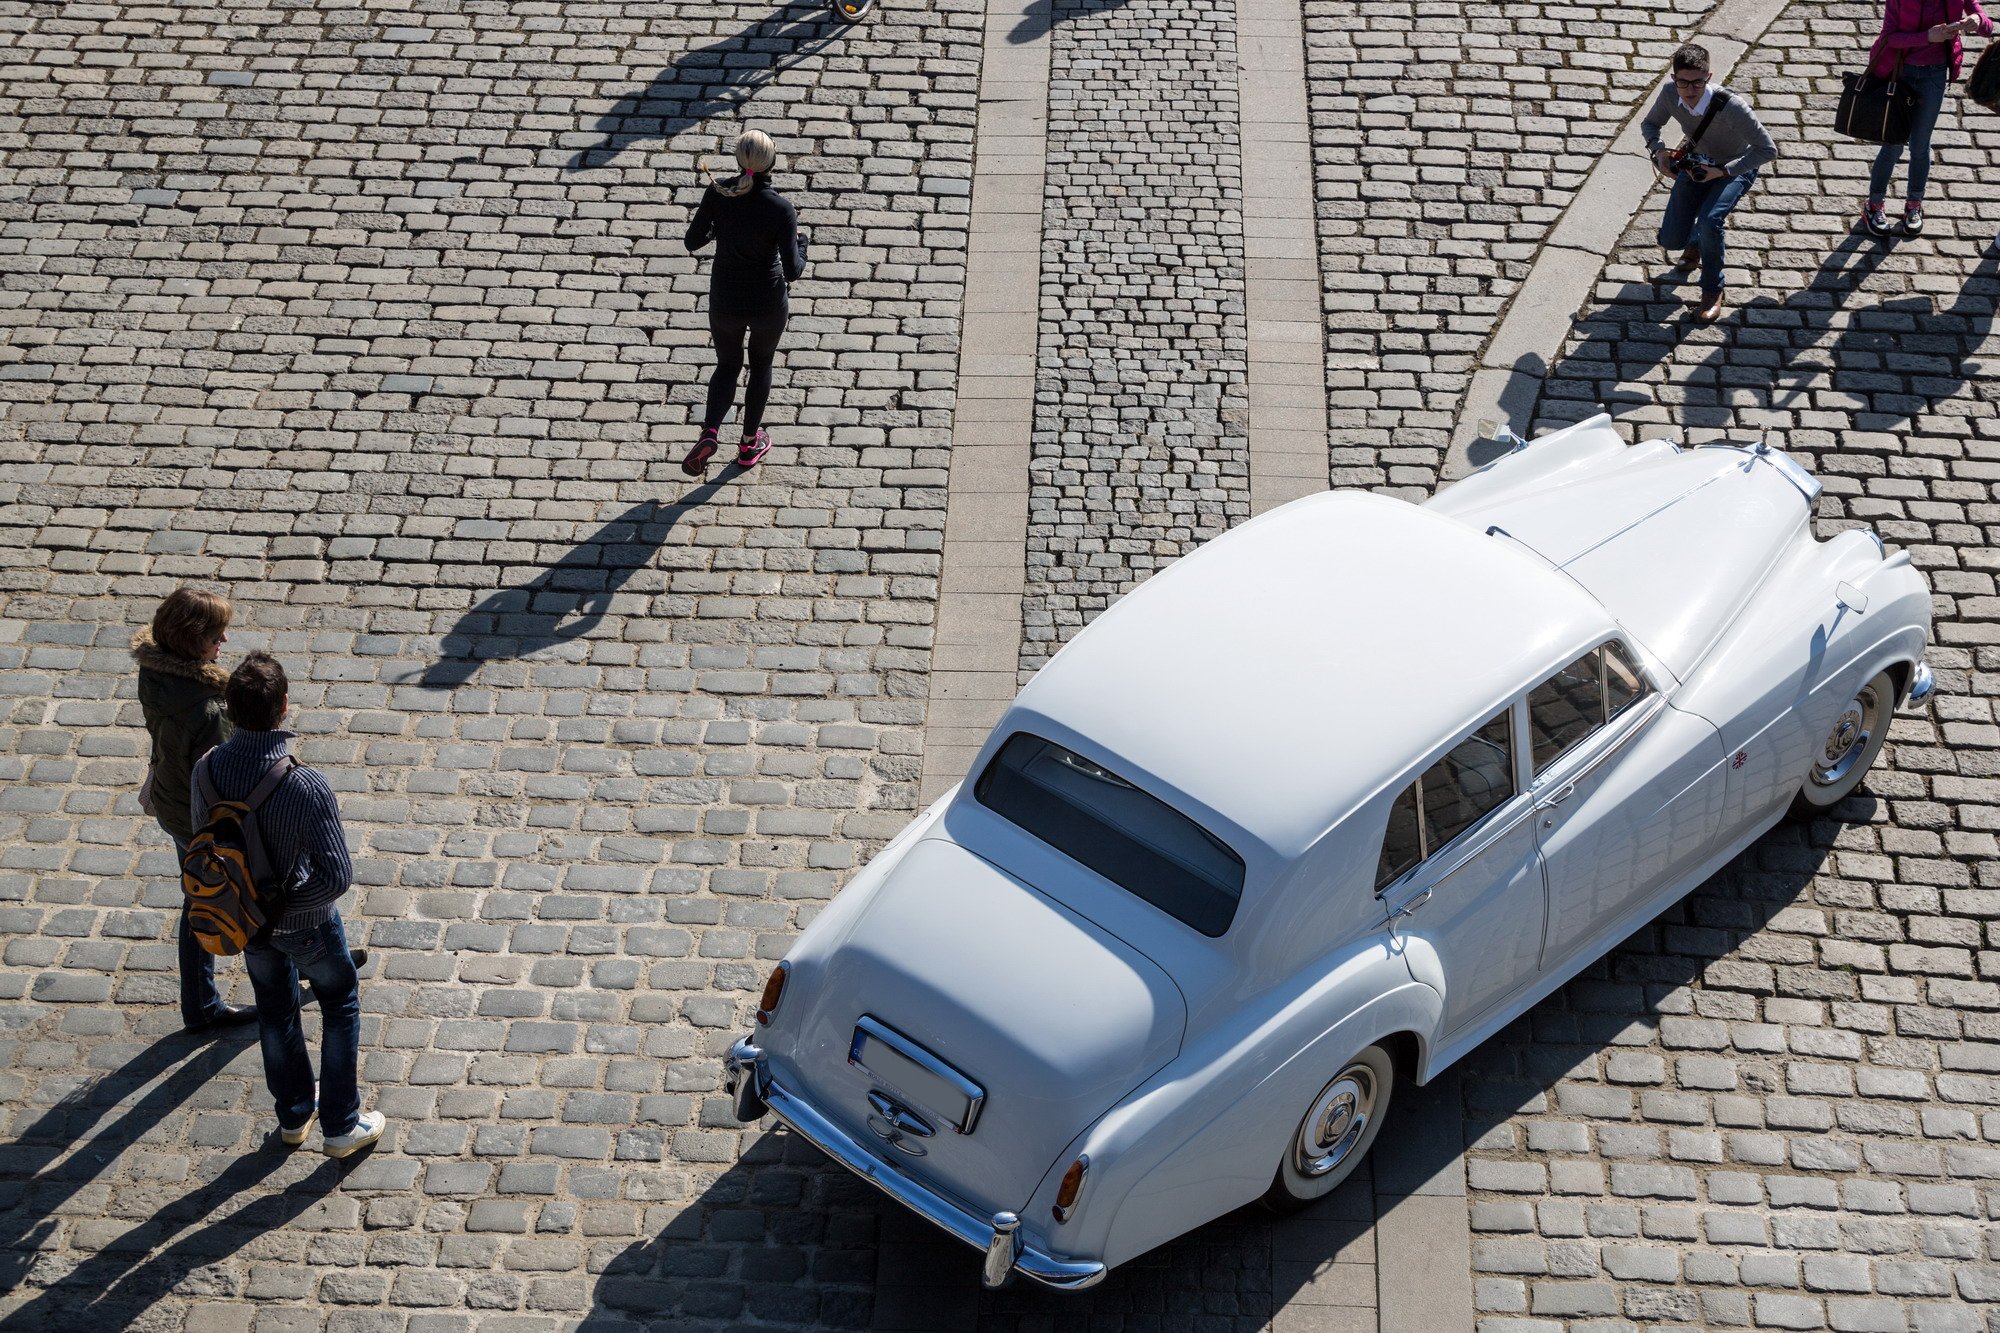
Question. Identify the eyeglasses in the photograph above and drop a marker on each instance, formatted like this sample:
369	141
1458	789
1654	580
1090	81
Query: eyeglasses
1699	80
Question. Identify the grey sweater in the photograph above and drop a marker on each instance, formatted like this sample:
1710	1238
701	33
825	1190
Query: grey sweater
1736	140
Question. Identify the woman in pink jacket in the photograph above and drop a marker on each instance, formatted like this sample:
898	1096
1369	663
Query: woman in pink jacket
1922	38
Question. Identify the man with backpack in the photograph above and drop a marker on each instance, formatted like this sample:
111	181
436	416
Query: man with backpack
263	874
1712	171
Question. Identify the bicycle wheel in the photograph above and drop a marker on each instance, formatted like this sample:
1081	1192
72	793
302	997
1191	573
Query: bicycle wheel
850	10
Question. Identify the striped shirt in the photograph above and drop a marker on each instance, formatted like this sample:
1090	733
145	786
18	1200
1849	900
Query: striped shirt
299	825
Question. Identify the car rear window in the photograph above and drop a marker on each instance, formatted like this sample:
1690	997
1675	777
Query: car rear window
1136	841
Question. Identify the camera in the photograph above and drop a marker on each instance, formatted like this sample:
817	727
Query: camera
1684	157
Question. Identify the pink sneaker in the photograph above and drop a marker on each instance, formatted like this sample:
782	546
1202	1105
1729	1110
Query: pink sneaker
697	458
752	451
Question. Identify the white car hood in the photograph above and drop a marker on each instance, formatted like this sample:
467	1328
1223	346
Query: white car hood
1054	1018
1673	544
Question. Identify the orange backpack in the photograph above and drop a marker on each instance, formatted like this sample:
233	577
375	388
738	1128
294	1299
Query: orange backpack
225	876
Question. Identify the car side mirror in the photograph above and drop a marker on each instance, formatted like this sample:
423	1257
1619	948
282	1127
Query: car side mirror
1497	431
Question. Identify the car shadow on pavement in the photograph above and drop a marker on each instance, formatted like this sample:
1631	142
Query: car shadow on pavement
785	1237
566	600
714	80
35	1186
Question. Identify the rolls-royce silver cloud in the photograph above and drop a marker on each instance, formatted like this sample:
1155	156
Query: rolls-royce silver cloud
1309	815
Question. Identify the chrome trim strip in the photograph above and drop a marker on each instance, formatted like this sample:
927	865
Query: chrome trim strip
875	1029
980	1233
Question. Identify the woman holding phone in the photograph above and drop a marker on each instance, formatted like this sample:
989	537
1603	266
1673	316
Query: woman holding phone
759	253
1922	45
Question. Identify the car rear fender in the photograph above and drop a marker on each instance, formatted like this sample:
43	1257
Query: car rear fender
1204	1135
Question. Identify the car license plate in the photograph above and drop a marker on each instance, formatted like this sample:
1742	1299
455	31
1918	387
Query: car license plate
910	1071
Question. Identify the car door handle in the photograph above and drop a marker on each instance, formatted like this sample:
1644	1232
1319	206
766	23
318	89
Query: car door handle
1556	798
1406	908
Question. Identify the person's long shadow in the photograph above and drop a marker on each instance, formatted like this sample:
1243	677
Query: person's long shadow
788	1237
35	1191
118	1285
1043	16
711	80
1887	362
566	600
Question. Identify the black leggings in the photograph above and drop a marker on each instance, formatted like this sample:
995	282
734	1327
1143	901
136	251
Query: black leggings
728	332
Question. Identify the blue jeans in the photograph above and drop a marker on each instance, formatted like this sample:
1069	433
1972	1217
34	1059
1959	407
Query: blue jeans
200	1002
276	962
1930	81
1696	212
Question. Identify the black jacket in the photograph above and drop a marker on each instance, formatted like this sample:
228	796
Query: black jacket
758	249
182	703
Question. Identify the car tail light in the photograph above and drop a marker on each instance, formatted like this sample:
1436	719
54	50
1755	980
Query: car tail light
774	991
1071	1187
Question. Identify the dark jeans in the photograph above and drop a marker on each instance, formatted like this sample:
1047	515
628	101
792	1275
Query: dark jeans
729	332
1930	81
1696	212
276	963
200	1002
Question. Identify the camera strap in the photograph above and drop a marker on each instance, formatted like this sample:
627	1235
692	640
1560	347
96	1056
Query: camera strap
1715	101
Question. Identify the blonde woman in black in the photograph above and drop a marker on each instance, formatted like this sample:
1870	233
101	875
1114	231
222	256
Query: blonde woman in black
759	253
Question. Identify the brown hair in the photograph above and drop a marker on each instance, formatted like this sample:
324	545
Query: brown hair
255	694
189	621
1692	57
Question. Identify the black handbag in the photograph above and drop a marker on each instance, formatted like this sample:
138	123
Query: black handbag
1983	86
1875	110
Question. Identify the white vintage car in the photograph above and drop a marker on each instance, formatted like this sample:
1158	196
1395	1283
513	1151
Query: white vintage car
1312	813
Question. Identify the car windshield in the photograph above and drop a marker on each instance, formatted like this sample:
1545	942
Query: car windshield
1094	816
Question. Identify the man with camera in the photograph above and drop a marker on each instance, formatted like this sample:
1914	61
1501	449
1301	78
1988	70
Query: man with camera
1711	170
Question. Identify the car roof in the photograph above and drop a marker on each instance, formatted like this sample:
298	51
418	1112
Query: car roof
1288	670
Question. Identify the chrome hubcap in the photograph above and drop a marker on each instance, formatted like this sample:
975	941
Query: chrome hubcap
1848	740
1338	1121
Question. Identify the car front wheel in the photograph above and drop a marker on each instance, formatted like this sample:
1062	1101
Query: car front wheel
1844	755
1336	1133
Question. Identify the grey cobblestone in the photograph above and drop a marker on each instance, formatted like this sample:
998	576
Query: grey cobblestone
1781	1054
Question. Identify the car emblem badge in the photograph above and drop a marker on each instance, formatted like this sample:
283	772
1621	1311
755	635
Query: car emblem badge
897	1125
1741	755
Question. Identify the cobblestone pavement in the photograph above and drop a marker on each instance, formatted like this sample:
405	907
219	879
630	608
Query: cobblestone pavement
1775	1107
1140	450
380	316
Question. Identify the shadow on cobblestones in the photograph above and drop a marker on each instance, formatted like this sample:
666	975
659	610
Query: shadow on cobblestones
714	80
782	1238
568	599
1888	362
1042	17
37	1191
117	1286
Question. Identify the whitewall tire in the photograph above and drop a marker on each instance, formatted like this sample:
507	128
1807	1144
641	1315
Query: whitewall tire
1335	1133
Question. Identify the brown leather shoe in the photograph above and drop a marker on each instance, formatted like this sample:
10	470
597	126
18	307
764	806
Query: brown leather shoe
1689	257
1709	308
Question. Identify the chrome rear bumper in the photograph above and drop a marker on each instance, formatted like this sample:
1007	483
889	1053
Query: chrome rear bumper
753	1090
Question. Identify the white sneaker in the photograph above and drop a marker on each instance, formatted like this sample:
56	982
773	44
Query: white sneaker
366	1130
294	1137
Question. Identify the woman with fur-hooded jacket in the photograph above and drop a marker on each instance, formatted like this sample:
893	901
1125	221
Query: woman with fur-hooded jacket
180	693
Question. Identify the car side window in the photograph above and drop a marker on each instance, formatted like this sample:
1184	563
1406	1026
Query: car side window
1566	707
1623	685
1580	698
1452	795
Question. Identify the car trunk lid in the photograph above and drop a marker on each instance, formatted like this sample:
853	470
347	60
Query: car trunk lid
1049	1017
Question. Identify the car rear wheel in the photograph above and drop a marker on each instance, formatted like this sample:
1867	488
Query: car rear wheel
1336	1133
1844	755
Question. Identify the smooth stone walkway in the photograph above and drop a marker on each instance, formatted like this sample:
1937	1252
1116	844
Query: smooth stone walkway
978	643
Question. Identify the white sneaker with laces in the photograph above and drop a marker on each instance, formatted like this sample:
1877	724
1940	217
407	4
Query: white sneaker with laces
366	1130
